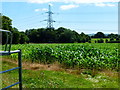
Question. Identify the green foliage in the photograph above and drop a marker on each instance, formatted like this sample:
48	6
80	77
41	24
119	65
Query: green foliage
56	79
17	36
106	40
112	38
6	23
99	35
60	35
101	41
72	55
23	38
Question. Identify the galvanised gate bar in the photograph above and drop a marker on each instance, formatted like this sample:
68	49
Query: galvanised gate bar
7	51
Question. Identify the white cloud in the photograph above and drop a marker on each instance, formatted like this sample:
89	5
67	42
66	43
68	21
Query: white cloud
43	1
111	5
14	0
44	9
66	7
65	1
73	1
103	5
100	4
38	10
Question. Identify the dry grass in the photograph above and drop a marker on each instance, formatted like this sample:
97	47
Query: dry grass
36	66
109	73
58	67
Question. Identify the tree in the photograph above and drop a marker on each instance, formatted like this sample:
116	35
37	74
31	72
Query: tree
99	35
16	37
95	41
101	41
23	38
106	40
60	35
117	39
66	37
6	23
84	38
111	39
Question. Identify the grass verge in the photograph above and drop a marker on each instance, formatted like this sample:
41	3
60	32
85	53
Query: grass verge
56	79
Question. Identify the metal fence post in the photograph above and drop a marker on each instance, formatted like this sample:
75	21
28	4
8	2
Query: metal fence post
8	51
20	69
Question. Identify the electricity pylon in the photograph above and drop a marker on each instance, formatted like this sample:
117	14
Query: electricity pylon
50	20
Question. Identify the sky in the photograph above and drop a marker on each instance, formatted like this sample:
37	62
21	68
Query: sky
88	16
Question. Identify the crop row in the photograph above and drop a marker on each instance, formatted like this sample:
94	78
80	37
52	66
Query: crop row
71	55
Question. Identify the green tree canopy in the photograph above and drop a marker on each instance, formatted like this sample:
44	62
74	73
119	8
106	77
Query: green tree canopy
99	35
6	23
17	37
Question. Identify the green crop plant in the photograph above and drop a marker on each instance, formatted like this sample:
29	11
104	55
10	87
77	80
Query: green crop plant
94	55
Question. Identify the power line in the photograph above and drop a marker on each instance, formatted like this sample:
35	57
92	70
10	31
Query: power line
49	20
87	22
29	17
87	13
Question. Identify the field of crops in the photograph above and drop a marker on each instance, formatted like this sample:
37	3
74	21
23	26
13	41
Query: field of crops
94	55
96	39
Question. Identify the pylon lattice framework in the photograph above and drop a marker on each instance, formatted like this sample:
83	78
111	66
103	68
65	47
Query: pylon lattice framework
50	20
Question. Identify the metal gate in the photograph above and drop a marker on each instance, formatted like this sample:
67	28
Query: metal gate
7	51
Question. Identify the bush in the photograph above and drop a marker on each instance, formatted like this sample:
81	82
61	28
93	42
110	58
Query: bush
117	39
106	40
95	41
111	39
113	42
101	41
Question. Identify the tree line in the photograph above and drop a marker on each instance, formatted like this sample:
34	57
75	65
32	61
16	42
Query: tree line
18	37
60	35
113	38
46	35
42	35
